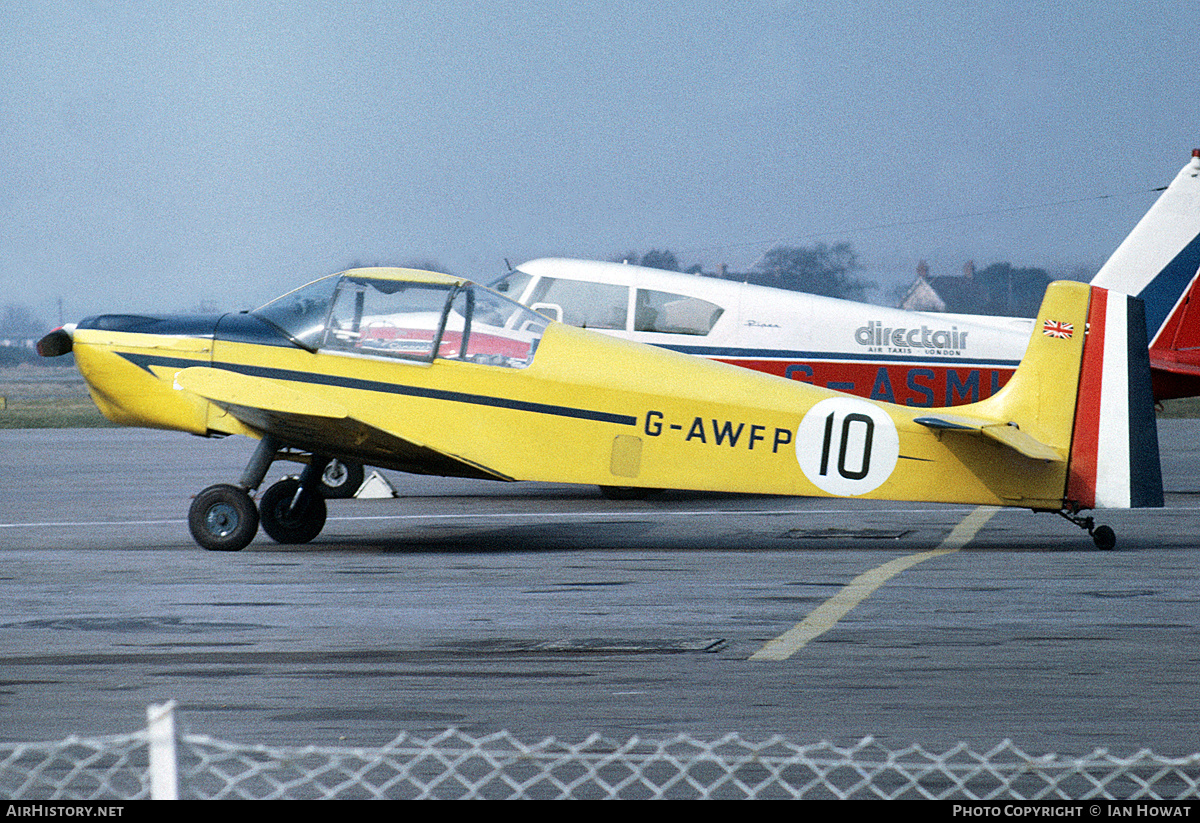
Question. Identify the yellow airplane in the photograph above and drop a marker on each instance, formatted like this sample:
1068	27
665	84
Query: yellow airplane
432	374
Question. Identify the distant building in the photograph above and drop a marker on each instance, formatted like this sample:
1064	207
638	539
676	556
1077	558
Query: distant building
921	295
957	294
1000	289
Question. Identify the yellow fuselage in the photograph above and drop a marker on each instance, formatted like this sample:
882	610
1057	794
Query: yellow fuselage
588	409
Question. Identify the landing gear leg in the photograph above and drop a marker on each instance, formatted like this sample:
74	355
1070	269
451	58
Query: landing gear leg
223	517
260	463
293	510
1103	536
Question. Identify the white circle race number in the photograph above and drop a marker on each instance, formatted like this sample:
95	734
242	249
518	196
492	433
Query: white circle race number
847	446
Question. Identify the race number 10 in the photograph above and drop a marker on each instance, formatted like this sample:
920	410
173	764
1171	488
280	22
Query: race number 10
847	446
861	445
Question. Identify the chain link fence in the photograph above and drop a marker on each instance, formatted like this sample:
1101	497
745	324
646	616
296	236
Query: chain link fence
155	763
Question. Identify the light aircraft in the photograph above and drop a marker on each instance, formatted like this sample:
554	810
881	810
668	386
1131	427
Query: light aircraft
909	358
427	373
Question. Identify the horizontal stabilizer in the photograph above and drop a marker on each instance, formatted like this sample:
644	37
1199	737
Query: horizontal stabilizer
1007	434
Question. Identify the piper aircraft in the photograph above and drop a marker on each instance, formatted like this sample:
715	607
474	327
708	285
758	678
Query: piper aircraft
909	358
427	373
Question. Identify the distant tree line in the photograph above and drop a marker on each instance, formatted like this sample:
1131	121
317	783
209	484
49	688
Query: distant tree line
19	321
831	271
17	326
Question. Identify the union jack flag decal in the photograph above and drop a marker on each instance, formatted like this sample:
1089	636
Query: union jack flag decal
1054	328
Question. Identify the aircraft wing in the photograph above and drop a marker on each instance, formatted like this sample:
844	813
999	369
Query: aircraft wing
320	425
1007	434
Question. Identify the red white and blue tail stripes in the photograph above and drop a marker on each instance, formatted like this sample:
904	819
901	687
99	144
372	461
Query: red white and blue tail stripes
1114	459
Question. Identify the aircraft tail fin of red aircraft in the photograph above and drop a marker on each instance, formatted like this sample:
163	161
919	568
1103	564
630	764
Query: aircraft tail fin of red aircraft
1159	262
1114	459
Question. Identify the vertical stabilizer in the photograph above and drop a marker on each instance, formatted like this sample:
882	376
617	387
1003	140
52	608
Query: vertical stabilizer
1159	260
1083	390
1114	460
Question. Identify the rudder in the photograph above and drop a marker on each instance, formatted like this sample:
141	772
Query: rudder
1114	461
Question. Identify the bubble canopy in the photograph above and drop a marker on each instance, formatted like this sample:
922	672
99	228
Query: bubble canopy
407	314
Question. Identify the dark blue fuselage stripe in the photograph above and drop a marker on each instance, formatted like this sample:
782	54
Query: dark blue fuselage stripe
145	361
1145	469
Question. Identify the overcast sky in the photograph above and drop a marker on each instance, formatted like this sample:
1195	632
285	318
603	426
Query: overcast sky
160	154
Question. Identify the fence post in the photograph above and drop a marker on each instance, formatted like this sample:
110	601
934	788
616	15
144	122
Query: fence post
160	733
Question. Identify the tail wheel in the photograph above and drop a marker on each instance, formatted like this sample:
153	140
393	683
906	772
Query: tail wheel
290	514
223	518
1104	538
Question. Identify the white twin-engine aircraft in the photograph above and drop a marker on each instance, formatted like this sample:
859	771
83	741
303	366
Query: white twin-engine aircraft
920	359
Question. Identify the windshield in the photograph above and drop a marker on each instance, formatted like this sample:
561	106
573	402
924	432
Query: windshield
301	314
511	285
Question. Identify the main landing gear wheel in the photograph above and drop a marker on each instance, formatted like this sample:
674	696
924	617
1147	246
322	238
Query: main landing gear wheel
289	517
341	480
223	518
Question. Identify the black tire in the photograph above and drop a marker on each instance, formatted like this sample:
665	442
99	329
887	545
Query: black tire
1104	538
286	524
223	518
628	492
341	479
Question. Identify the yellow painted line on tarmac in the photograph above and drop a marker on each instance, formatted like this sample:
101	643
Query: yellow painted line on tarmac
826	616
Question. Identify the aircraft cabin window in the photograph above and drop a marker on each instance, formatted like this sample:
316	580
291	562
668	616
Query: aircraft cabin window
485	328
581	302
394	318
657	311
